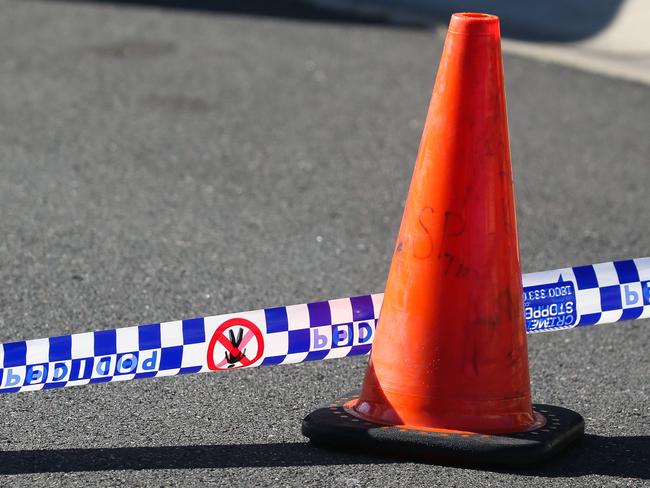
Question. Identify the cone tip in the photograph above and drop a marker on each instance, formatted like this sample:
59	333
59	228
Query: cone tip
475	24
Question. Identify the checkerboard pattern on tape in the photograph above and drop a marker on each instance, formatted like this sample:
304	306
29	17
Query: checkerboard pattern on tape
553	300
604	292
291	334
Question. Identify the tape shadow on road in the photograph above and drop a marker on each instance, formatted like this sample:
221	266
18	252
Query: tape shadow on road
611	456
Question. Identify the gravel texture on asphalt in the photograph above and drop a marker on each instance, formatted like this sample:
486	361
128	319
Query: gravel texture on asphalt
159	164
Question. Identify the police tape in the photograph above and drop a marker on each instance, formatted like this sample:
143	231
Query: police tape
553	300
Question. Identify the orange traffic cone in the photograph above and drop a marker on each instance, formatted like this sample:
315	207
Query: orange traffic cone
448	374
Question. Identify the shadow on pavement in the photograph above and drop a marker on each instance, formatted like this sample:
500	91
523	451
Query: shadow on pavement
174	457
284	9
611	456
550	21
624	457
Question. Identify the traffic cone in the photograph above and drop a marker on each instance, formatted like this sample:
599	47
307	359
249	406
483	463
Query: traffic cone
448	373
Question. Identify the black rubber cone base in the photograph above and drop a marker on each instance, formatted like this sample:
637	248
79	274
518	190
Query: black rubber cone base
333	426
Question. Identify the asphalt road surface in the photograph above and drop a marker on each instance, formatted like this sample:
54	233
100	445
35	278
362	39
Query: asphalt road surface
158	164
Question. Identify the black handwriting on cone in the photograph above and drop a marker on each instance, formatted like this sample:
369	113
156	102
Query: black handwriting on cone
235	340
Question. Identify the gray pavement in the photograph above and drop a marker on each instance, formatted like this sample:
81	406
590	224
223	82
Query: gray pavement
166	163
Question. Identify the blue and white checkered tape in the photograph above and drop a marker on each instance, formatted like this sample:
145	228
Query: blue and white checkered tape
553	300
587	295
280	335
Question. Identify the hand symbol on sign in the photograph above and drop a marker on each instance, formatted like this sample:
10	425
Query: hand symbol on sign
238	336
235	341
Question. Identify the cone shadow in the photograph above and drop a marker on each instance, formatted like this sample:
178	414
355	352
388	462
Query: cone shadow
598	455
173	457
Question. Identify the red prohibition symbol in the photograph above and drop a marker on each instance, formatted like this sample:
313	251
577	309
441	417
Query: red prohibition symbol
232	352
